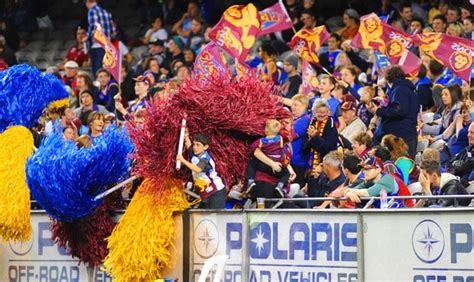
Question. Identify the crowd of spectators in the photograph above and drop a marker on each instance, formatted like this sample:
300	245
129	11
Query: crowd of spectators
359	133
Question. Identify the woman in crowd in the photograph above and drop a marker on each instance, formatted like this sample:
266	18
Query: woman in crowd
399	151
96	123
350	81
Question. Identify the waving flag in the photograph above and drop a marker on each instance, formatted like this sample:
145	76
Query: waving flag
395	44
274	18
237	30
210	61
112	60
309	78
453	52
306	43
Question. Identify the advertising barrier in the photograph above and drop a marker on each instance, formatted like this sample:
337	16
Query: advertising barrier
42	260
418	245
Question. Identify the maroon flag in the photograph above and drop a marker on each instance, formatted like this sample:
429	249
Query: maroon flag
309	78
237	30
210	61
378	35
112	60
453	52
306	43
274	18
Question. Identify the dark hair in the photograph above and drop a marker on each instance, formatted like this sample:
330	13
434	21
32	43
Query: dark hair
431	166
394	72
440	17
435	67
396	145
456	93
201	138
146	63
454	8
309	12
351	163
422	72
404	5
268	48
88	91
382	153
336	36
470	18
102	70
199	19
420	20
84	115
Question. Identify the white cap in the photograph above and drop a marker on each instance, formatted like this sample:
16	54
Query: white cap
71	65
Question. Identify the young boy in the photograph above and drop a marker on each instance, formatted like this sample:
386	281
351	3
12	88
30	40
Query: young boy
271	155
206	181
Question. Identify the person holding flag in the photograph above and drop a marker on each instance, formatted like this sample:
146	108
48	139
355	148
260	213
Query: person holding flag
97	16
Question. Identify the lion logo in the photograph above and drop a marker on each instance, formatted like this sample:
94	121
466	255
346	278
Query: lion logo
245	18
429	42
371	31
395	48
309	43
460	61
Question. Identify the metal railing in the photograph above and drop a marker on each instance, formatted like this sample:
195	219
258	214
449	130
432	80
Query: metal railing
371	200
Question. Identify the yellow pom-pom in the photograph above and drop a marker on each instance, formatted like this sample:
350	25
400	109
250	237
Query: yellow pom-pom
16	145
58	104
139	247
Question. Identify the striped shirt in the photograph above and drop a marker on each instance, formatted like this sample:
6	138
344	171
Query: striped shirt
98	15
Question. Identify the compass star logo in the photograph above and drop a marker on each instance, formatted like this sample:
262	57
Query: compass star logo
206	238
428	241
260	240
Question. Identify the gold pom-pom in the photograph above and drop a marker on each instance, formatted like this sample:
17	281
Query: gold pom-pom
16	145
140	245
58	104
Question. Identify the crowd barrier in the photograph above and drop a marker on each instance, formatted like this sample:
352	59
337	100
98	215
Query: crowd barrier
418	245
308	245
42	260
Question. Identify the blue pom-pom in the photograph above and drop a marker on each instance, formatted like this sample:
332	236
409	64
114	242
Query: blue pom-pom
64	179
24	93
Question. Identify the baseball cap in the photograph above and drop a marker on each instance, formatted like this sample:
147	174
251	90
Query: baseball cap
157	42
142	78
292	60
372	162
352	14
71	65
349	106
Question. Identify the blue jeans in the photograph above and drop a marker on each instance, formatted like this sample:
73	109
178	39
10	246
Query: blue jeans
97	55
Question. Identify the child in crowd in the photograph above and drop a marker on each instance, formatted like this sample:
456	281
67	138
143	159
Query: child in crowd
203	168
271	155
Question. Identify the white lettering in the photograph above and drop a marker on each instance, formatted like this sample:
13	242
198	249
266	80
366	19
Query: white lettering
407	43
460	48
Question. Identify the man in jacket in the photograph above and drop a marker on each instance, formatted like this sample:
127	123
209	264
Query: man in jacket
463	164
434	182
400	116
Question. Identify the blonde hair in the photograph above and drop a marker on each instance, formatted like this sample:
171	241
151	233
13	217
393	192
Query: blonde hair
303	99
272	126
370	90
84	141
430	154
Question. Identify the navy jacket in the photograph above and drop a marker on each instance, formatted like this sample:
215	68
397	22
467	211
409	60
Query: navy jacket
400	116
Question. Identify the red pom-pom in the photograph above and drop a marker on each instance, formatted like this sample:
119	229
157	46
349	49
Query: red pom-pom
230	112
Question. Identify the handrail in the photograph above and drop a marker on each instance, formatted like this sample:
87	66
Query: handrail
369	198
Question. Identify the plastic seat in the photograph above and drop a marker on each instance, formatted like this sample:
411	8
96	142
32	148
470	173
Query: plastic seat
139	51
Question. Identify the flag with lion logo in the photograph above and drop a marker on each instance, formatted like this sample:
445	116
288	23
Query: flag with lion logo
453	52
112	60
237	30
306	43
395	44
